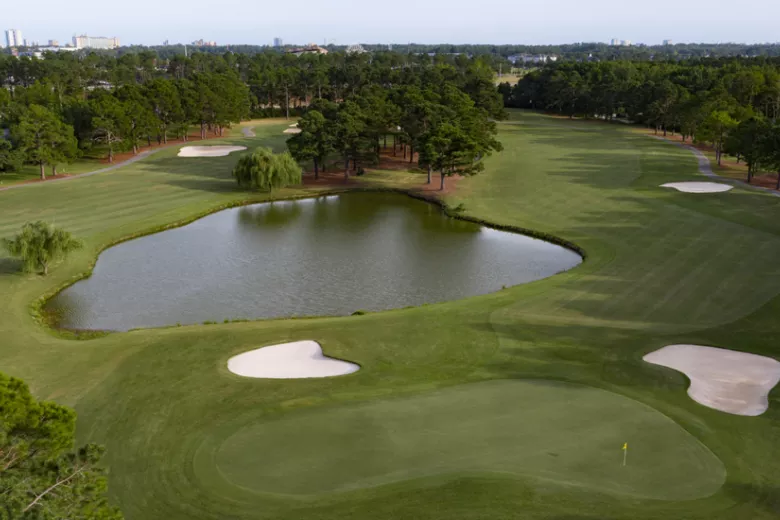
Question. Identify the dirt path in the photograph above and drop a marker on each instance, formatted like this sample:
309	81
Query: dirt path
705	168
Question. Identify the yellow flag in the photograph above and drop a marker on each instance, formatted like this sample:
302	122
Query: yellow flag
625	446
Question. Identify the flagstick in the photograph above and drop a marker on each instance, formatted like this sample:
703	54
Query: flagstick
625	454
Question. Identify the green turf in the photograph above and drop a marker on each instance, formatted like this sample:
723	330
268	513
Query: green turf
662	267
556	431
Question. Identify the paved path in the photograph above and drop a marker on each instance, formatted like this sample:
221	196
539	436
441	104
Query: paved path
248	131
142	155
705	168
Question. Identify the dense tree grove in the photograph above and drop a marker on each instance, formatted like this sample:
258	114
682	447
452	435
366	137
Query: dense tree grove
733	105
63	105
41	476
444	124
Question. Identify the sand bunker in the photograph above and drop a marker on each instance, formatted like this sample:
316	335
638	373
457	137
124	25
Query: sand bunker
209	151
698	187
293	131
726	380
294	125
300	359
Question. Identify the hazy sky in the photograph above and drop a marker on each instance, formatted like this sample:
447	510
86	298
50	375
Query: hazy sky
398	21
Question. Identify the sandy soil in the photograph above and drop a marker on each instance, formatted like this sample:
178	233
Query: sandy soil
698	187
209	151
292	131
726	380
296	360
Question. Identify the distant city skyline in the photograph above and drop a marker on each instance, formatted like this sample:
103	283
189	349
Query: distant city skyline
347	22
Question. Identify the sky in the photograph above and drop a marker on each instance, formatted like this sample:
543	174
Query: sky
343	22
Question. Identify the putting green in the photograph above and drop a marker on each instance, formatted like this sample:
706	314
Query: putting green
560	432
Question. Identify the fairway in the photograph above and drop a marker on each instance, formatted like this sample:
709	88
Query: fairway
559	432
513	404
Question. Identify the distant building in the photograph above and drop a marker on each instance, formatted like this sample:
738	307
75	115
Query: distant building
355	49
278	43
13	38
95	42
67	48
204	43
614	42
311	48
668	42
525	59
620	43
54	43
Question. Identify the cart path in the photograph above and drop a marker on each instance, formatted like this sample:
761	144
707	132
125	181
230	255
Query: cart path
705	168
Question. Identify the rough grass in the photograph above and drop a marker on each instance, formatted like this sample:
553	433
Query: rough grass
662	267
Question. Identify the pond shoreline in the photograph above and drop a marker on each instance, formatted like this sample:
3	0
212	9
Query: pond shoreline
49	321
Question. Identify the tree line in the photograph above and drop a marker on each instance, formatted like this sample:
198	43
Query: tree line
731	104
56	109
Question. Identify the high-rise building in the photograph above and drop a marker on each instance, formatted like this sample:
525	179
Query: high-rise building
95	42
278	43
54	43
668	42
13	38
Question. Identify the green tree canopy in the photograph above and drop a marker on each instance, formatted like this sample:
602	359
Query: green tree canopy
44	138
314	142
41	476
39	245
266	171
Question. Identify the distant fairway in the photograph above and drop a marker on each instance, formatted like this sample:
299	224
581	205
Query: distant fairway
512	405
560	432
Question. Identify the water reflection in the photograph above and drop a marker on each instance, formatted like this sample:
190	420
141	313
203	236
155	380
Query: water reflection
324	256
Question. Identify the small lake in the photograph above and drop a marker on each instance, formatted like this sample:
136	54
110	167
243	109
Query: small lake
326	256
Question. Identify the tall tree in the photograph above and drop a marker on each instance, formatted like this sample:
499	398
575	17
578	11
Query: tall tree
715	129
109	122
166	105
43	137
314	142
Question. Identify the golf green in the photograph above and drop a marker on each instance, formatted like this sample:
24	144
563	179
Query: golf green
555	431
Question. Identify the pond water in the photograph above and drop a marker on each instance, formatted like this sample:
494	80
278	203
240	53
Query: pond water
325	256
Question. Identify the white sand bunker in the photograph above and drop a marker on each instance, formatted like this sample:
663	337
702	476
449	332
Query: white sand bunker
698	187
300	359
292	131
726	380
209	151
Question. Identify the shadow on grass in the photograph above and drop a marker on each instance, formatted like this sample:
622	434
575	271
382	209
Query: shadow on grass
765	497
10	265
